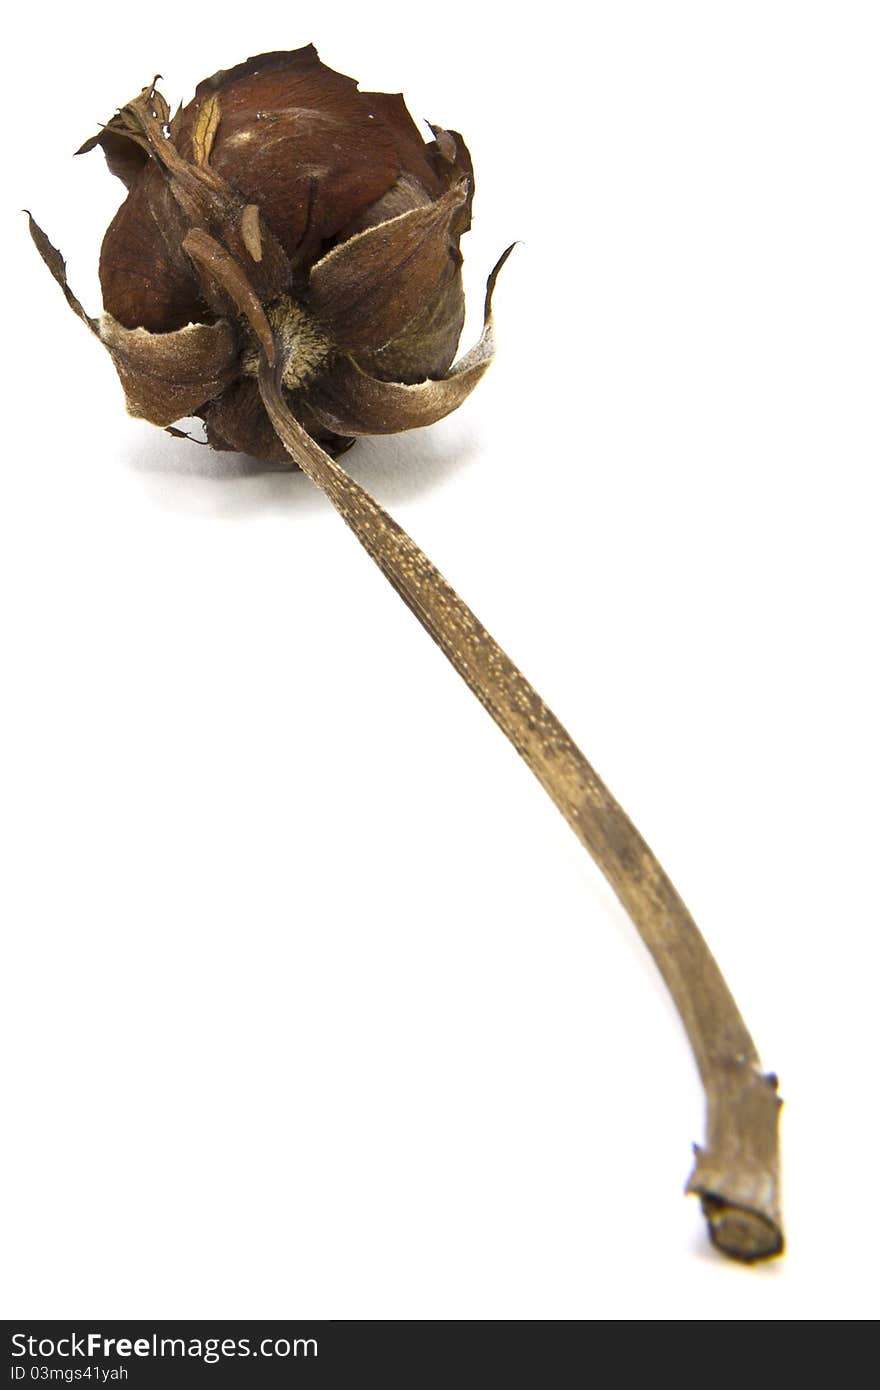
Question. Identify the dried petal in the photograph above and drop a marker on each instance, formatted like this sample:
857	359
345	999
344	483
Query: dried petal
299	140
146	280
169	198
404	195
414	155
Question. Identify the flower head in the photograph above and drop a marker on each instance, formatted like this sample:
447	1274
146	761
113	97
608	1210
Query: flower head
283	211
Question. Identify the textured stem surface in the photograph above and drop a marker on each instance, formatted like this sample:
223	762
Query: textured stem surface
736	1175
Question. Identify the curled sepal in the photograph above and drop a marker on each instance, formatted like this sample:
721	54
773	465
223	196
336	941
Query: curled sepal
451	159
345	399
365	291
169	375
58	266
125	159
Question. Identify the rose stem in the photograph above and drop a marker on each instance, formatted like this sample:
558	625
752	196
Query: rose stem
737	1174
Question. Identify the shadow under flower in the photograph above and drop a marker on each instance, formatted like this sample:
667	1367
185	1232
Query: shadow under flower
187	476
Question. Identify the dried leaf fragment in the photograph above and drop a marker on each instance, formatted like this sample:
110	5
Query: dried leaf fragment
205	128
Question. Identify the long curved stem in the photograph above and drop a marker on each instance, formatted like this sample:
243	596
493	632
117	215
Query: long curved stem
736	1175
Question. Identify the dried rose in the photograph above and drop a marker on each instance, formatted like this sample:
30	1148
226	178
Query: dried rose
348	224
286	265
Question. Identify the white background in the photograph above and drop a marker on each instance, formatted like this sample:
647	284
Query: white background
313	1005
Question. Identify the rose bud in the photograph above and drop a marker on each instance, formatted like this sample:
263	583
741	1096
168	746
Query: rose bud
286	266
348	224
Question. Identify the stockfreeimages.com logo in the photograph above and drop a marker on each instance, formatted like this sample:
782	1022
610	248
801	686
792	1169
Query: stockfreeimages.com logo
208	1349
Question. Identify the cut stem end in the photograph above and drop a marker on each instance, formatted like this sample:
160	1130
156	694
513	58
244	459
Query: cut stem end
736	1176
739	1232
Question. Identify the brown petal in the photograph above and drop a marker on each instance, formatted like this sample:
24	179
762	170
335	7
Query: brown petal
297	139
273	70
403	195
350	402
168	375
146	279
366	291
413	153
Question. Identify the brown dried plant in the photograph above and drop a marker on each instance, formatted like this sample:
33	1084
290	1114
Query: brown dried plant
286	266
